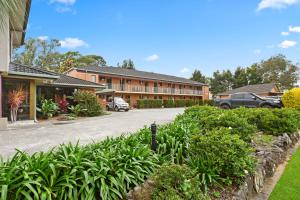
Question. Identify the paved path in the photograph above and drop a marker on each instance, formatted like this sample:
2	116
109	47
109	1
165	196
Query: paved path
44	136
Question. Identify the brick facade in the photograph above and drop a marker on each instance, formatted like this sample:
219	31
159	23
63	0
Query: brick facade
132	88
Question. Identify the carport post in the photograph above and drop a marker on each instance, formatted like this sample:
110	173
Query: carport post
153	130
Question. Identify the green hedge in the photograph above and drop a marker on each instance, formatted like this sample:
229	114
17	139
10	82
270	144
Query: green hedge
150	103
216	153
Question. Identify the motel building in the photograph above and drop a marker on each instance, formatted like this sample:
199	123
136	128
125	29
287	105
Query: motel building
131	84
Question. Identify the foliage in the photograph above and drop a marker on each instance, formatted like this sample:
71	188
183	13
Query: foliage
63	105
106	170
15	100
149	103
88	103
127	64
176	182
197	76
76	110
220	155
49	108
277	69
43	53
291	98
274	122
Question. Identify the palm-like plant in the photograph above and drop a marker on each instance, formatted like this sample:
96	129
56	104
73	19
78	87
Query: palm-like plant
10	8
15	100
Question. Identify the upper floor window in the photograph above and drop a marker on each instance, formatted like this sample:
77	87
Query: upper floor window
128	81
93	78
101	78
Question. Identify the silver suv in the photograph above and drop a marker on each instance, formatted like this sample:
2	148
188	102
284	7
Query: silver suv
117	104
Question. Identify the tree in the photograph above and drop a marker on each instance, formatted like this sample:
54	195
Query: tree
221	82
127	64
254	74
91	60
69	60
240	77
279	69
197	76
38	53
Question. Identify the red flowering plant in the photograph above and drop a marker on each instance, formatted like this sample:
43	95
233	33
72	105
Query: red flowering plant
63	105
15	100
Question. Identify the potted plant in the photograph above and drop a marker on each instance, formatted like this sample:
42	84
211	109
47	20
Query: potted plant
15	100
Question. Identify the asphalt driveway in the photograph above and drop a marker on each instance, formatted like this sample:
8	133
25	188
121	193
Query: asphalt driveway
45	136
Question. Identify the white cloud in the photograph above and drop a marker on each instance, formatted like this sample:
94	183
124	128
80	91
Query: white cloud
152	58
257	51
287	44
44	37
294	29
66	2
277	4
285	33
184	70
72	43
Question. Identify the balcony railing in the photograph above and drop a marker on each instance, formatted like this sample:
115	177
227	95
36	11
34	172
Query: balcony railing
153	90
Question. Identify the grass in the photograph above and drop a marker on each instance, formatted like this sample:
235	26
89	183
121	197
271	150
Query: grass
288	187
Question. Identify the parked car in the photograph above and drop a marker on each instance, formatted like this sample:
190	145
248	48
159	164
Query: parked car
117	104
249	100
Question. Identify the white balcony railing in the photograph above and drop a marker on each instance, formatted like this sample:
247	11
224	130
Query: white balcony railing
153	90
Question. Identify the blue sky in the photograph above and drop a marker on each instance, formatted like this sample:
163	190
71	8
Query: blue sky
172	36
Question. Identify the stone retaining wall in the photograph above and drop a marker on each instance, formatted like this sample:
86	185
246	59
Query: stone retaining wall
268	160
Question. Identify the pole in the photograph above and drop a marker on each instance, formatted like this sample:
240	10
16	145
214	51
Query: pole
154	143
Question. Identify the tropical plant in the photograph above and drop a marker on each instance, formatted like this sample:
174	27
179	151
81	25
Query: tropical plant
76	110
49	108
15	100
63	105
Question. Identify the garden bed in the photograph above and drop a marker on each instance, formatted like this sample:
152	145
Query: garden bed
204	153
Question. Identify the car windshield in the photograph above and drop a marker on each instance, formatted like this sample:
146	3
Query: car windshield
119	100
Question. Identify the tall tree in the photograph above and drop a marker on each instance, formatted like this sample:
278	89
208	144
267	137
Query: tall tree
28	54
197	76
254	74
279	69
68	61
127	64
240	77
221	81
91	60
48	57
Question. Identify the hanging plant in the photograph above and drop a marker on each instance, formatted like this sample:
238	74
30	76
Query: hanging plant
15	100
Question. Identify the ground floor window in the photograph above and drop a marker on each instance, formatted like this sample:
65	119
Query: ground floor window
9	85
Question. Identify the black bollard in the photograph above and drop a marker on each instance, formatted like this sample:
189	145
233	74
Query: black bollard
153	130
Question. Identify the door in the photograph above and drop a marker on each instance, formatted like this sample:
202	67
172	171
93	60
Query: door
251	101
237	100
109	83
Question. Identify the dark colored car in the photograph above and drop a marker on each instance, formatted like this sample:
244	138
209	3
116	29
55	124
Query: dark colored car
249	100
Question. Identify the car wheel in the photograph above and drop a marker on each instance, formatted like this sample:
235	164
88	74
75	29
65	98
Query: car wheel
116	109
266	106
126	110
107	108
225	106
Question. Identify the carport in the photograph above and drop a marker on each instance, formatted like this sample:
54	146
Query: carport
104	96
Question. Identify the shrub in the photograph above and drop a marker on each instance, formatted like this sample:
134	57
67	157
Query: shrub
272	121
291	98
63	105
149	103
88	103
169	103
228	119
220	156
49	108
172	182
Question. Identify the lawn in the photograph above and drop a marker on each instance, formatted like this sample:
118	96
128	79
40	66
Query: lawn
288	187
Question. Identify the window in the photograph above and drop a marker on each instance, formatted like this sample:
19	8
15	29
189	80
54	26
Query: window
93	78
237	96
248	96
160	84
128	81
141	82
160	97
101	78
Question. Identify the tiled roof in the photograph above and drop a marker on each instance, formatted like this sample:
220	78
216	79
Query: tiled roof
24	70
257	89
59	79
65	80
138	74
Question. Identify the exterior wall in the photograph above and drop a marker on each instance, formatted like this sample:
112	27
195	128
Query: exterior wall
139	84
5	46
